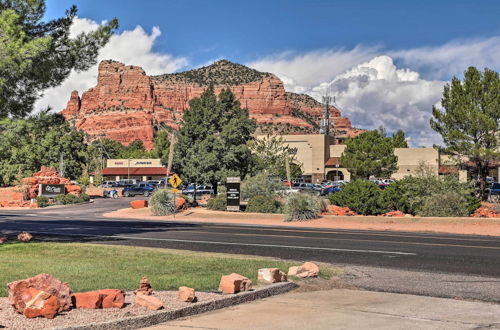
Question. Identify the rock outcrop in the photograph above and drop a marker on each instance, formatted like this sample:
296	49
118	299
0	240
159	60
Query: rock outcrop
127	105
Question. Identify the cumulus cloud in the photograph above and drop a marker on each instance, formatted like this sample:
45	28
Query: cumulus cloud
375	86
132	47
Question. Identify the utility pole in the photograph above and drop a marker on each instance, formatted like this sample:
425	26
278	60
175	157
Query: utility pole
171	152
325	121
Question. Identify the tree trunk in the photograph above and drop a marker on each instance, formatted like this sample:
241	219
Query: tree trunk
482	169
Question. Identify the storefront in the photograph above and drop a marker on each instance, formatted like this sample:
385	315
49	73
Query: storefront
138	169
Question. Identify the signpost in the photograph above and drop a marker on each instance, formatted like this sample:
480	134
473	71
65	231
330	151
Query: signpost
233	193
175	181
50	190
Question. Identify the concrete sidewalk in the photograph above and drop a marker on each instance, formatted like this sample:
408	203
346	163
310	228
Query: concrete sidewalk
347	309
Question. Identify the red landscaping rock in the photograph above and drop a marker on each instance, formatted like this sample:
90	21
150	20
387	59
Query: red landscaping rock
187	294
283	277
3	239
150	302
40	304
180	202
24	237
234	283
144	287
114	298
138	204
308	269
41	282
90	299
339	210
48	175
269	275
486	211
394	214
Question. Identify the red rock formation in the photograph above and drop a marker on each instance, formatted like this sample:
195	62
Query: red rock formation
126	104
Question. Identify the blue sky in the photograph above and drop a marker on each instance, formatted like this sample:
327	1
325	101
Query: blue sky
386	62
247	30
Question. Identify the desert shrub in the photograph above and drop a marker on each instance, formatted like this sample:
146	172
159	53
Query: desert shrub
218	203
361	196
301	207
449	204
263	204
162	202
260	185
411	194
42	201
190	202
67	199
84	198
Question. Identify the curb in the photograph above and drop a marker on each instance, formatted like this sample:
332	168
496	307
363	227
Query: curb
197	308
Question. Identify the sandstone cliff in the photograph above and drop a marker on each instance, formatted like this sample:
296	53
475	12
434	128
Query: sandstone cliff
127	105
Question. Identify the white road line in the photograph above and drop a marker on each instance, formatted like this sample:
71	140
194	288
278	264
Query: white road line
233	243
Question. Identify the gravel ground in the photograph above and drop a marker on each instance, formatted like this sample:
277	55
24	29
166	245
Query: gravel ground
9	319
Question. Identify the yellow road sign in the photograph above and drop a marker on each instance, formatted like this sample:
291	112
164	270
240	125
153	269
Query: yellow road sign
174	180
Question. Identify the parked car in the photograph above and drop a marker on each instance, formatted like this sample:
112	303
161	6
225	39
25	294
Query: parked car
200	190
109	184
303	186
144	188
126	182
331	189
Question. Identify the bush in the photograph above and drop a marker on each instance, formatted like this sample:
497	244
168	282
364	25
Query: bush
263	204
67	199
218	203
361	196
162	202
411	194
260	185
42	201
450	204
303	206
84	198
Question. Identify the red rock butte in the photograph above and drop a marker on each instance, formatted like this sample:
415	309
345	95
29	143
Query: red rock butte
128	105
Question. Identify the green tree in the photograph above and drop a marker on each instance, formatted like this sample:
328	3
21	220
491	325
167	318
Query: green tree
399	139
370	153
161	146
36	55
134	150
27	144
470	118
213	139
270	154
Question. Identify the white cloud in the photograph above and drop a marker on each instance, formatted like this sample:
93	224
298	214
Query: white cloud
132	47
372	91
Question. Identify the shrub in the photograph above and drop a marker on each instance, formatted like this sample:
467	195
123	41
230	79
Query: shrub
363	197
162	202
67	199
263	204
190	202
42	201
84	198
301	207
450	204
218	203
260	185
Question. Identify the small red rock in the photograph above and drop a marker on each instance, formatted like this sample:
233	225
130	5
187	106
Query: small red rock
138	204
187	294
114	298
150	302
234	283
269	275
90	300
3	239
308	269
24	237
41	304
144	287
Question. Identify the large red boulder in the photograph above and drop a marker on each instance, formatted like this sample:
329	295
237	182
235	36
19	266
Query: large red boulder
41	282
90	300
114	298
187	294
308	269
234	283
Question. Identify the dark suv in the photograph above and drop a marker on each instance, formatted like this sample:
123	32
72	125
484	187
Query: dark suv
145	189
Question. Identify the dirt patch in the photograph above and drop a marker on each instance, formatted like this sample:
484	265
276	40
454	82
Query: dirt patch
465	225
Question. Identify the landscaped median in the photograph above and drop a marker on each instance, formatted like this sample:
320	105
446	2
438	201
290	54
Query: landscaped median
183	283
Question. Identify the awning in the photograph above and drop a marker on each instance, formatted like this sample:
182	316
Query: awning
143	171
333	162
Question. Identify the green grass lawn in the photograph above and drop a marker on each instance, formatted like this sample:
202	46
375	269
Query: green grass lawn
93	266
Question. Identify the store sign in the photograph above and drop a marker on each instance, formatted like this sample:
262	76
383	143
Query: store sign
233	193
51	189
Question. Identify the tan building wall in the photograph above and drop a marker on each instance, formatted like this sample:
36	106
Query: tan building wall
409	160
133	163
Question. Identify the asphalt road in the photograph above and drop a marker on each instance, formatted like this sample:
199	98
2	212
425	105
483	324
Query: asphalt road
452	254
